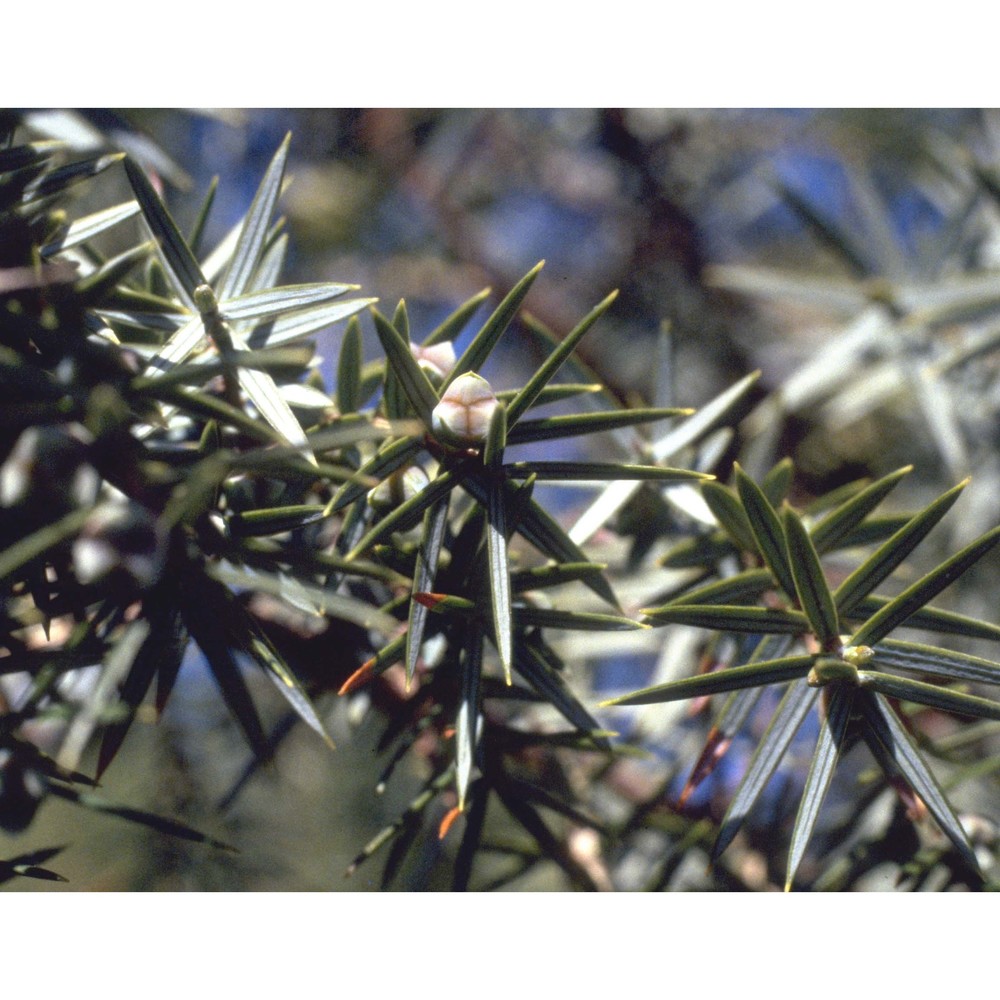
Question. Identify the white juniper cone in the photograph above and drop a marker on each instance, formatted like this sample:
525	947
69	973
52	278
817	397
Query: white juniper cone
437	360
464	413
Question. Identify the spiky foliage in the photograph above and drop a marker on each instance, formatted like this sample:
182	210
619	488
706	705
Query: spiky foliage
177	474
483	553
828	646
194	465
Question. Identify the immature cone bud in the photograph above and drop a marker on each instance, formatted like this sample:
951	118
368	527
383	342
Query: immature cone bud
205	301
437	360
463	415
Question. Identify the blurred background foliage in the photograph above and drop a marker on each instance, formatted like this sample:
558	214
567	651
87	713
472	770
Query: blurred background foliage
763	238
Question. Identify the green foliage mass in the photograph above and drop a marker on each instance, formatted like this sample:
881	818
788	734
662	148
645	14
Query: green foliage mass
176	472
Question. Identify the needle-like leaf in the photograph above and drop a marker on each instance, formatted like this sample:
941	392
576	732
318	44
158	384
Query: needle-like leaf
555	393
200	223
253	234
906	689
304	323
789	715
932	619
833	726
483	343
543	797
752	675
549	471
924	590
412	813
401	321
584	621
742	587
27	866
729	512
887	733
442	603
282	361
542	531
117	664
213	408
263	392
918	658
814	595
766	530
523	400
730	618
235	693
704	420
837	525
531	664
415	383
145	321
349	369
579	369
100	282
283	299
467	717
388	656
499	571
178	348
455	323
27	154
435	522
874	531
60	180
160	657
551	846
90	226
553	575
777	482
539	528
176	253
890	555
734	712
207	597
496	441
272	262
549	428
